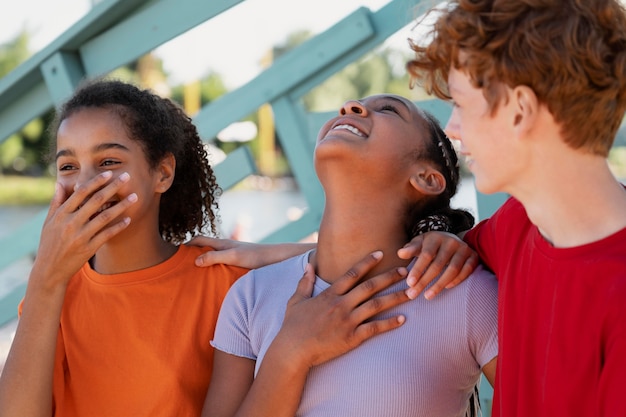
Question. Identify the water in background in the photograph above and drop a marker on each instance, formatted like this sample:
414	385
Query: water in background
246	215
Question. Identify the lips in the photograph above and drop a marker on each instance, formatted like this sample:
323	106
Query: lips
468	159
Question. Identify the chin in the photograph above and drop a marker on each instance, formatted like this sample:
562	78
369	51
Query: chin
484	186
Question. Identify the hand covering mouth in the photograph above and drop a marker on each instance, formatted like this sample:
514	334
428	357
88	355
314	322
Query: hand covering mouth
103	207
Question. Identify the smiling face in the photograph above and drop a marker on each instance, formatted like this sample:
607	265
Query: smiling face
377	138
93	140
487	139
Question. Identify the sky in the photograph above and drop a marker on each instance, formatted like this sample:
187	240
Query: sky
246	32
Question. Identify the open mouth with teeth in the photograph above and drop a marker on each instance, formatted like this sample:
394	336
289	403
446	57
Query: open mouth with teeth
103	207
351	129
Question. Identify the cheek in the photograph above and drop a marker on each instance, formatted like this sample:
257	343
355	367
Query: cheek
67	184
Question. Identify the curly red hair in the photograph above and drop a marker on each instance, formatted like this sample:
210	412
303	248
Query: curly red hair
572	53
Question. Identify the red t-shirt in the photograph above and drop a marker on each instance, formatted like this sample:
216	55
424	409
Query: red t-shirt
561	319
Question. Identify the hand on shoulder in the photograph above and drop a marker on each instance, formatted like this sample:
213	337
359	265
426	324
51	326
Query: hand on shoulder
245	254
438	254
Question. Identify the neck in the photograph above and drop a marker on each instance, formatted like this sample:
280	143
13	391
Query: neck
131	252
575	202
349	230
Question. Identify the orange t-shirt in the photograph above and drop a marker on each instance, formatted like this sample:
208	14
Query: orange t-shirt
137	343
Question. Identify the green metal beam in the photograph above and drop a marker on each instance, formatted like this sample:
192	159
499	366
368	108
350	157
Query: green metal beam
286	73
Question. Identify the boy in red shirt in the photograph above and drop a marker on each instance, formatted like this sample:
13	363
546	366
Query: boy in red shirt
539	91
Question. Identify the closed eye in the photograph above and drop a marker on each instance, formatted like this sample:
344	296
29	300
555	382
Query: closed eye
389	107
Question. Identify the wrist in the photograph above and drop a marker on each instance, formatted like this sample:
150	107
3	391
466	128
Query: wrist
292	357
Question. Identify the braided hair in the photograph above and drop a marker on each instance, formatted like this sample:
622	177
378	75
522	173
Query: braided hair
162	127
435	213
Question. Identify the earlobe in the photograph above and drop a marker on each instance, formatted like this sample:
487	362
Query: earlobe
428	181
165	173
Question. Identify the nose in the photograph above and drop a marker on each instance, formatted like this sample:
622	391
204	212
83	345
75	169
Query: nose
453	127
353	107
84	175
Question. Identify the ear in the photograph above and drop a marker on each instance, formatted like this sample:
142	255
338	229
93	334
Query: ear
165	173
428	181
525	107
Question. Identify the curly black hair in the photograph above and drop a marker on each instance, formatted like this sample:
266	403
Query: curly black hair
435	213
161	127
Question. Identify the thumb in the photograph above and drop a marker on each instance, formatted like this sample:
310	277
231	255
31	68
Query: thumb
212	257
304	290
57	199
59	195
411	249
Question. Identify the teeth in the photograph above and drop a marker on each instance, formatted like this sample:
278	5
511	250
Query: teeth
351	129
104	207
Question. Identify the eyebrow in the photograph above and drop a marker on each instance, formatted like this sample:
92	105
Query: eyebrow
397	100
99	148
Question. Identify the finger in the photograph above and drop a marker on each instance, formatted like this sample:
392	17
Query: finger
352	277
102	237
437	267
212	257
304	290
93	204
468	267
57	199
454	268
446	268
429	250
102	227
84	191
373	328
362	297
420	274
411	249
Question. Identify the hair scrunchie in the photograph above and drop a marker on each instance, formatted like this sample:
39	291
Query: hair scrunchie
434	222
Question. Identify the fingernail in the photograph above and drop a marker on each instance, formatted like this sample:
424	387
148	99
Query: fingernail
429	294
124	177
411	281
199	262
411	293
132	197
107	174
377	255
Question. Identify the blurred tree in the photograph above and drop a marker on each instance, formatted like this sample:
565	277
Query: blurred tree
211	87
22	152
14	53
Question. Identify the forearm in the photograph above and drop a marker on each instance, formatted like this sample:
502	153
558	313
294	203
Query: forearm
277	388
246	254
272	253
26	380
